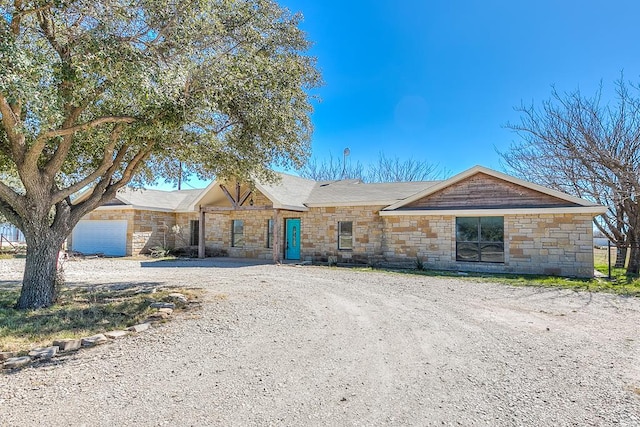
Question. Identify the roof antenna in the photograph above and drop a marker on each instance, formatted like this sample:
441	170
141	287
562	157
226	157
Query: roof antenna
345	153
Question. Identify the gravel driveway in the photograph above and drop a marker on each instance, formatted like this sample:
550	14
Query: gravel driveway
295	346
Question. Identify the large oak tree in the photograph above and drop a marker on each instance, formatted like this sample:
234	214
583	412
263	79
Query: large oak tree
95	94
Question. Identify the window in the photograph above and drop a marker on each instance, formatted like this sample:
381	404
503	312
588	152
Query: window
480	239
269	233
194	232
345	235
237	233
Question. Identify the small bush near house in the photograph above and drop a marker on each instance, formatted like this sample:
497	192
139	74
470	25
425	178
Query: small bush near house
192	252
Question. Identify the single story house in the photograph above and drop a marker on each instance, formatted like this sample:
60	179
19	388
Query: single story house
478	220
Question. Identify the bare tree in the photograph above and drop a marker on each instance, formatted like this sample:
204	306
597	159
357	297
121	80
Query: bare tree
586	147
389	169
385	169
331	169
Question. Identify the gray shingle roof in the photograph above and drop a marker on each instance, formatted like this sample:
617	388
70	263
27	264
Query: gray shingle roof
353	192
290	192
158	199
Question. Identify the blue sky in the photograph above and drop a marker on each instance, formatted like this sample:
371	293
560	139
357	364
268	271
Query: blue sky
437	80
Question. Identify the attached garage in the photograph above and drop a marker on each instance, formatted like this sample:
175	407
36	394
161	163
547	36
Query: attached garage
106	237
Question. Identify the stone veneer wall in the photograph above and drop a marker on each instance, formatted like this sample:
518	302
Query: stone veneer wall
319	239
112	215
145	229
319	227
151	229
550	244
218	229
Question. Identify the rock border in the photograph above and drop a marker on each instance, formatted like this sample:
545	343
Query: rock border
11	361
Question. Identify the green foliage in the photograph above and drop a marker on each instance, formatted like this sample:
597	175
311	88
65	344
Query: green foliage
95	94
222	85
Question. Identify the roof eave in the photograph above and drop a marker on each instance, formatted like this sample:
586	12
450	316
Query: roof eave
290	207
591	210
481	169
135	207
347	204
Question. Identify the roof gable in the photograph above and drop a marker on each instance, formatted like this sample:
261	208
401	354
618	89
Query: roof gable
483	188
482	191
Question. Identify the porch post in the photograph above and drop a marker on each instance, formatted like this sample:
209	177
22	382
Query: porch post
201	245
276	236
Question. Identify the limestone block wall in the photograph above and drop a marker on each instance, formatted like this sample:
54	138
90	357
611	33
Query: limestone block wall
319	239
151	229
218	232
319	232
183	220
145	229
112	215
431	238
549	244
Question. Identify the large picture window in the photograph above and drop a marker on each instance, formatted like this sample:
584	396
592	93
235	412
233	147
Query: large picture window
480	239
345	235
237	233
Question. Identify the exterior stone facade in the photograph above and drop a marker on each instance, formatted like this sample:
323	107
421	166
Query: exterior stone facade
550	244
145	229
541	232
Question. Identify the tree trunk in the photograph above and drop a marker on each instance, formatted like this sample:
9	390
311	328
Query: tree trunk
39	281
634	258
621	256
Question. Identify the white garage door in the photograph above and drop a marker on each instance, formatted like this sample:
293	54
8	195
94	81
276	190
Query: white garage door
107	237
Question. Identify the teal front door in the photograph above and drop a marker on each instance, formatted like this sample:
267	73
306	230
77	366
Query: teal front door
293	239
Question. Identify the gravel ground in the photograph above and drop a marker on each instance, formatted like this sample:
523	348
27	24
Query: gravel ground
288	345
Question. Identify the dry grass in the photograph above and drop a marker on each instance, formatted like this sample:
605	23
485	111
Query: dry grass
80	312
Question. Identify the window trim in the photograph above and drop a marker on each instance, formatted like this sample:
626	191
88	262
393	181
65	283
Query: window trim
342	235
237	238
194	232
479	243
270	233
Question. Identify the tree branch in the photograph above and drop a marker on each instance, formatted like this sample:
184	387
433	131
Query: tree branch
35	150
106	189
11	198
107	162
10	122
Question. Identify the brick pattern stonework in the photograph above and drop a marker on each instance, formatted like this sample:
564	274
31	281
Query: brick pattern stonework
549	244
555	244
145	229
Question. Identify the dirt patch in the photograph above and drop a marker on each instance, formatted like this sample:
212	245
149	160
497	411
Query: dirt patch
293	345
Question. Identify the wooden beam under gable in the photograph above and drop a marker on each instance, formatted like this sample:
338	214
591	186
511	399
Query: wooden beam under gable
244	197
226	192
